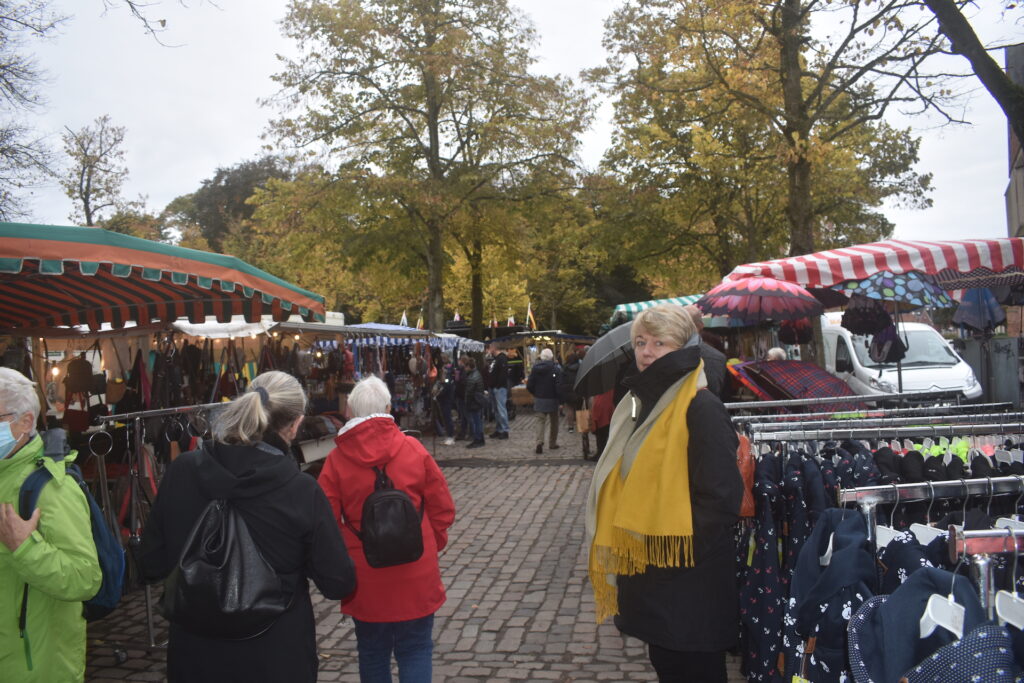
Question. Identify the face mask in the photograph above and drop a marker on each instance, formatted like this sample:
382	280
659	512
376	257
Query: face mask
7	440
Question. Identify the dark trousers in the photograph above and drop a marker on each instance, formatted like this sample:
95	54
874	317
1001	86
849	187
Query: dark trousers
601	435
673	666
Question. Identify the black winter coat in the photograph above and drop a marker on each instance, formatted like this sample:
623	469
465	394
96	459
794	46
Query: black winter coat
692	609
476	399
291	521
545	376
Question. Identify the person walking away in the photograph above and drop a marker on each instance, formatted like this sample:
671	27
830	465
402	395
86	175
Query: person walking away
497	374
460	400
52	553
394	608
545	377
601	410
476	401
446	397
662	504
576	404
287	515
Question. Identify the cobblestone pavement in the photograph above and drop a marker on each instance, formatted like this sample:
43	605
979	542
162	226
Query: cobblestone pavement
519	606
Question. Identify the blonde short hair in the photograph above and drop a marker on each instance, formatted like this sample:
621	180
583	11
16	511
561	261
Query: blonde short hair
668	321
271	402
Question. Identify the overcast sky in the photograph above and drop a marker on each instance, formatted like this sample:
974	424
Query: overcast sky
192	108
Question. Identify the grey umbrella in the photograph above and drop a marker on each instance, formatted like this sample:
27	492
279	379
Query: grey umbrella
599	369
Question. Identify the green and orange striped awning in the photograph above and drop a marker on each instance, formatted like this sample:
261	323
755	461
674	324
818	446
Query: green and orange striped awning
58	276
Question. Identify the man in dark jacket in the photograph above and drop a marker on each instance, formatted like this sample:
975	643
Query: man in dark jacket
476	399
497	376
544	379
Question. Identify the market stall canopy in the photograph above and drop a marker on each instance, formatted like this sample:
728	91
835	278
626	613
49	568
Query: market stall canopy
59	276
624	312
959	264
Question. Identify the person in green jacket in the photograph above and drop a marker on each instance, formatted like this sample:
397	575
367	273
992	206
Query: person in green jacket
52	552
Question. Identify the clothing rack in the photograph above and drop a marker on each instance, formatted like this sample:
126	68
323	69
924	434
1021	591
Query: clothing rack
859	398
974	408
888	432
978	545
880	422
134	486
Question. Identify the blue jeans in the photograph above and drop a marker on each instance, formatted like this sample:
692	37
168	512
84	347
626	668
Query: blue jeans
476	424
411	642
500	409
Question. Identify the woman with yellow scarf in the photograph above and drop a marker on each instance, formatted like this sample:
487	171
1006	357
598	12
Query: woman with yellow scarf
662	505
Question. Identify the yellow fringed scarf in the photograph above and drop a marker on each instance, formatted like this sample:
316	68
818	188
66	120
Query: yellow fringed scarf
646	519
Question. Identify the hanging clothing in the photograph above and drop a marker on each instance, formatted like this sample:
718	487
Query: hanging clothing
824	597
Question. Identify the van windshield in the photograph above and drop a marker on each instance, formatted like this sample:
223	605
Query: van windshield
924	347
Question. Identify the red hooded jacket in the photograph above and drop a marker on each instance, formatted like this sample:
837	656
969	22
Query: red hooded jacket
405	591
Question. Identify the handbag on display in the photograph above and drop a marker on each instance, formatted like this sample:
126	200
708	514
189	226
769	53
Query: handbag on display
77	419
865	316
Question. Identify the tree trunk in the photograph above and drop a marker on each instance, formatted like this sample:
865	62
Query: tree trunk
797	130
435	270
1007	94
476	288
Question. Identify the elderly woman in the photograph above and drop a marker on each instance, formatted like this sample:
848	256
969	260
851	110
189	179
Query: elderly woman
664	497
48	562
393	609
287	515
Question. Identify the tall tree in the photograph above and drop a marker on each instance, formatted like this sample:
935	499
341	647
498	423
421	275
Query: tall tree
964	41
25	159
431	100
760	60
97	173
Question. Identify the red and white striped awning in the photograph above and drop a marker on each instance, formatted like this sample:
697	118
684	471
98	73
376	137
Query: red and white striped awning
959	264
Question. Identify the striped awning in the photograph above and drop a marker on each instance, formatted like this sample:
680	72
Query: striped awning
959	264
59	276
624	312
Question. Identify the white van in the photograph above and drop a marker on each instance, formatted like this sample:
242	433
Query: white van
930	364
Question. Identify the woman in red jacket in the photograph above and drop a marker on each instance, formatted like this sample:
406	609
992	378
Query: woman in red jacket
392	607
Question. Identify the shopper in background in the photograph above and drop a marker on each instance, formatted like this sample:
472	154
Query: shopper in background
545	378
497	378
476	401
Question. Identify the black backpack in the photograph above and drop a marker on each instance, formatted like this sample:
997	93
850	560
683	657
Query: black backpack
391	532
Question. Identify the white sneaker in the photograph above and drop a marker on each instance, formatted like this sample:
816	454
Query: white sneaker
449	441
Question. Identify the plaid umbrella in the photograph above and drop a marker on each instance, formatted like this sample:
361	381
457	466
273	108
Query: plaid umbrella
756	299
788	379
911	288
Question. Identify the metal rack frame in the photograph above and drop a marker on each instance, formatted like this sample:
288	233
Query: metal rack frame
882	422
924	411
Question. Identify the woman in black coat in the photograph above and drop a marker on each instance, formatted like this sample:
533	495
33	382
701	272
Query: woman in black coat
545	378
287	515
660	517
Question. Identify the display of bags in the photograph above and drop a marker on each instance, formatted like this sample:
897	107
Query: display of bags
887	347
865	316
222	587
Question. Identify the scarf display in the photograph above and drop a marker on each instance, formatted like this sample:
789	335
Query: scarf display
639	510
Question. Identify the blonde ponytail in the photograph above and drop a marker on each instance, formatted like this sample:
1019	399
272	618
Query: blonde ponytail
271	402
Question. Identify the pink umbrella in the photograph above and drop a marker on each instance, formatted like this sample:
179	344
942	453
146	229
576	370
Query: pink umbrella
756	299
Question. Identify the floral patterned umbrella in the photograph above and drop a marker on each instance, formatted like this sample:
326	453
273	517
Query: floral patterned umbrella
912	289
756	299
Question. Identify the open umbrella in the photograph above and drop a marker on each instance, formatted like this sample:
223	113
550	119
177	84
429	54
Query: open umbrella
979	309
911	289
600	368
789	379
756	299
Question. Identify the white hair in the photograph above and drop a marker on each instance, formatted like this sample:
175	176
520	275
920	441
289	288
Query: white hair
18	394
775	353
369	397
547	354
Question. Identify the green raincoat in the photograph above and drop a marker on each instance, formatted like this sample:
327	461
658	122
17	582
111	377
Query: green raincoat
58	561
